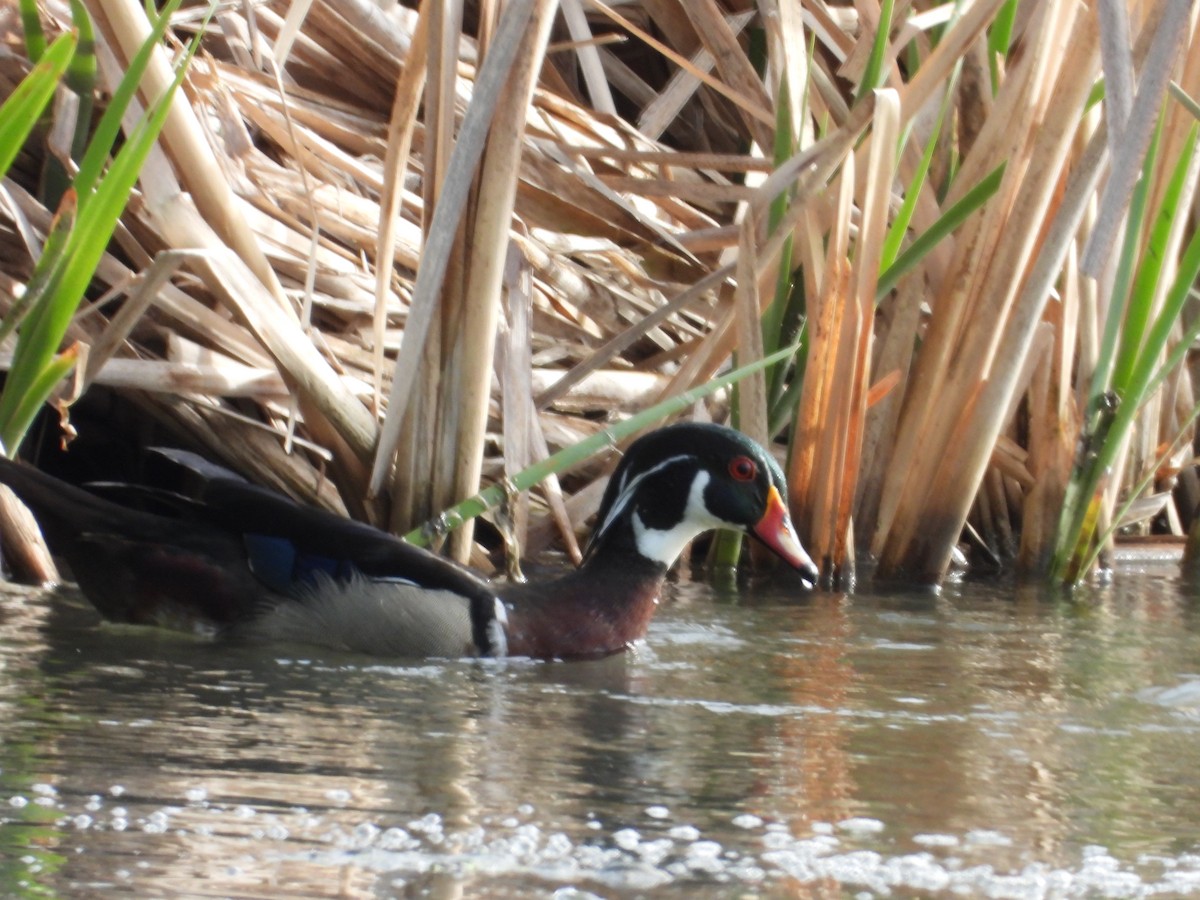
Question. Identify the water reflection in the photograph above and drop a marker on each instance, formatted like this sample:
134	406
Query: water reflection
985	740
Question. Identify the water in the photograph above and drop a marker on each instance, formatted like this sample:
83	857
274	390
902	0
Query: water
990	741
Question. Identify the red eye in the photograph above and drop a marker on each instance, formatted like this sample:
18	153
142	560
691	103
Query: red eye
742	468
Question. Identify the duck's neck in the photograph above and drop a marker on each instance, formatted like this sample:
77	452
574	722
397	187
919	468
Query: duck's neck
598	609
608	602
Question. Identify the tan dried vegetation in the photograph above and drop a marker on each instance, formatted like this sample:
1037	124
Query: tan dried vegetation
416	249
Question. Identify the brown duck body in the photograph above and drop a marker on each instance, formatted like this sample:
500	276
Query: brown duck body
594	611
248	564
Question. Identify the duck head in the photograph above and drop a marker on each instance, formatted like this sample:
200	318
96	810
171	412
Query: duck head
682	480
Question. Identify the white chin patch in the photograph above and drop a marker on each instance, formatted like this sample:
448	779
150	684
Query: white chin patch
665	544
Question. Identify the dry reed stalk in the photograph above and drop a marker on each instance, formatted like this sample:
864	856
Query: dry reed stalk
734	65
1130	133
747	306
966	378
24	548
828	437
126	28
820	431
589	58
875	203
898	324
468	378
1052	433
707	19
401	124
514	367
268	316
662	110
419	354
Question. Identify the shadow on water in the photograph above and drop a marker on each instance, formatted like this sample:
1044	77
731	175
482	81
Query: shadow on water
985	739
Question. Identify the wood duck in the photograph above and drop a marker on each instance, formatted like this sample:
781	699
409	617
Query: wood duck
240	561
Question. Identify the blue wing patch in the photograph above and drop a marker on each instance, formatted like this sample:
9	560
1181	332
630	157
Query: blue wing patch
277	563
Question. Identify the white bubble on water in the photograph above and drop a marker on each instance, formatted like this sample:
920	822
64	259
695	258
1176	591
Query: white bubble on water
861	825
756	858
982	837
935	840
429	824
627	838
396	839
747	821
364	835
704	850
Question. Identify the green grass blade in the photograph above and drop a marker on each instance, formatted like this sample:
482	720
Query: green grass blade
1185	99
899	227
783	150
25	105
1146	373
525	479
81	76
788	308
1119	299
72	270
874	76
1145	286
31	401
1075	535
1089	560
1079	497
1000	39
97	221
39	282
947	222
109	126
31	24
785	407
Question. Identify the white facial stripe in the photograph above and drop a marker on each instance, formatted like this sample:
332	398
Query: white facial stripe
665	544
627	492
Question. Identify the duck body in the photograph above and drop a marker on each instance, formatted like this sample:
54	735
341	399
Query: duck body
225	556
